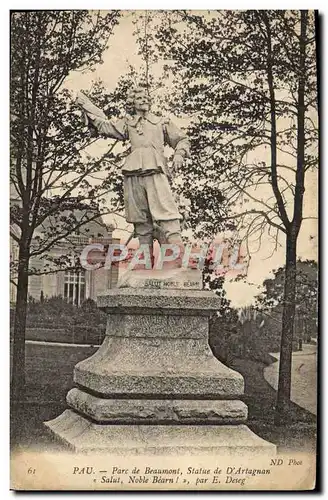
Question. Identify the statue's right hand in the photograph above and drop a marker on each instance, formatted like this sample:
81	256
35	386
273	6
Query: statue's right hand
80	99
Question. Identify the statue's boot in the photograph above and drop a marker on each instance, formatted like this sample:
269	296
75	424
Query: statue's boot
144	233
172	231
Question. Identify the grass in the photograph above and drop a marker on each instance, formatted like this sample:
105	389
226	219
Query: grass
49	376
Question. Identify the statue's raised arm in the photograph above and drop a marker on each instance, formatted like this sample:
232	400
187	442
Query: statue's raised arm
97	121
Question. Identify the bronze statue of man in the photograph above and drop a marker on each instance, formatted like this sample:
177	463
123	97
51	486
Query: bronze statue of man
148	197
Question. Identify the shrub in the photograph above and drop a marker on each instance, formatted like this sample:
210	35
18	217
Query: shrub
53	316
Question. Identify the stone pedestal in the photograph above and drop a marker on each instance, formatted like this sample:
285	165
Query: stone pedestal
154	386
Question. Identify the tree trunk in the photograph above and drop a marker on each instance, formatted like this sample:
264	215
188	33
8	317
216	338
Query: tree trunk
286	348
18	352
284	384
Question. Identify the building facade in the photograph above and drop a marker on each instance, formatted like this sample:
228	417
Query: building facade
74	285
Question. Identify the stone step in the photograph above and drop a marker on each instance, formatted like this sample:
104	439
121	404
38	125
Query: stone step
81	435
129	411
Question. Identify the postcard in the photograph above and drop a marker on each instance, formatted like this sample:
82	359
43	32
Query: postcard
164	249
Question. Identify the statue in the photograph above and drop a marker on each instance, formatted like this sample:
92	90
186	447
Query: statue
154	386
148	198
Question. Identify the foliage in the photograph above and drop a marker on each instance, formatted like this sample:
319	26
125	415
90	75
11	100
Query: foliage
271	300
50	171
245	336
247	81
222	81
58	312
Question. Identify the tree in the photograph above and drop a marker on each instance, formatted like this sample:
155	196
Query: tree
50	170
247	81
271	300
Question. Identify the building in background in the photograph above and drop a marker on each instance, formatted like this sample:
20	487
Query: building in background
79	284
74	285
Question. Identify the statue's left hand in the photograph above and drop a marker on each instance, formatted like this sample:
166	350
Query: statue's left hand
177	161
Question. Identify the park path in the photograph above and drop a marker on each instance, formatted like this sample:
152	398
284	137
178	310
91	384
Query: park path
304	377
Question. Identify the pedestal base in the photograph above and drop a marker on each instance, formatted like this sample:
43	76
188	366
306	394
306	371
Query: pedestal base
154	386
82	435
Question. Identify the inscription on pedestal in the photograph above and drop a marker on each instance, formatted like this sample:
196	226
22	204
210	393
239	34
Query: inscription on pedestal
168	279
170	284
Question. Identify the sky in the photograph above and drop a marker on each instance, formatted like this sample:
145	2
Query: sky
121	53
